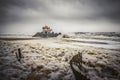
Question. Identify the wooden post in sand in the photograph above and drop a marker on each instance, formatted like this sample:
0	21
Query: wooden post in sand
80	57
18	54
77	61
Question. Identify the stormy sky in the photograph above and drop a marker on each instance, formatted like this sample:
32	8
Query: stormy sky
28	16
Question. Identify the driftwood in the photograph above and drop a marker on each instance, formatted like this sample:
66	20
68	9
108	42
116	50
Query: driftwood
77	61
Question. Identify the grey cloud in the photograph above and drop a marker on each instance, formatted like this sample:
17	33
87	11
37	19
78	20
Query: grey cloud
27	11
72	9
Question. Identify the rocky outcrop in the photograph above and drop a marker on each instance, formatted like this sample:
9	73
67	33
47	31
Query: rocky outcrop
41	34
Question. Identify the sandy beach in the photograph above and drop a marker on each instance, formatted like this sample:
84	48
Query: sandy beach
48	59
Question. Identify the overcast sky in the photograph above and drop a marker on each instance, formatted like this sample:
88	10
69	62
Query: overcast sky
28	16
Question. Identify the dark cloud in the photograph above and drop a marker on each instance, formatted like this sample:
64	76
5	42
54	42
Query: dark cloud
21	11
98	8
5	6
109	9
